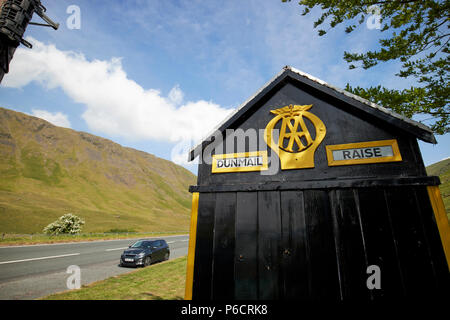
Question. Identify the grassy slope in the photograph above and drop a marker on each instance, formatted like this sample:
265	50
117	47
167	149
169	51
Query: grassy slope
442	169
46	171
160	281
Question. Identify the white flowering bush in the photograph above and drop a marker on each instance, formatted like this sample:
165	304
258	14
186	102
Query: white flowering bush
66	224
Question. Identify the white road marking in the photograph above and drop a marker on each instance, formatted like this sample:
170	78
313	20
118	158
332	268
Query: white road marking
116	249
41	258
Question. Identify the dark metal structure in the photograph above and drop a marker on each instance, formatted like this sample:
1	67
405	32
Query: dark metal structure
15	16
351	193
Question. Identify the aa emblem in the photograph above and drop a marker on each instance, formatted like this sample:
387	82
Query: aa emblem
296	145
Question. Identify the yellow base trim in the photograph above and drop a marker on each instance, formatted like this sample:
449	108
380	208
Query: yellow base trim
191	252
441	219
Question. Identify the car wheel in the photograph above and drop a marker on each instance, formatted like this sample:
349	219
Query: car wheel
147	261
166	256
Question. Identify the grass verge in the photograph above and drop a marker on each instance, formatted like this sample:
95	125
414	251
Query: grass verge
24	239
161	281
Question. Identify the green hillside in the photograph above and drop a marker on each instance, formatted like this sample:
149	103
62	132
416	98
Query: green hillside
442	169
46	171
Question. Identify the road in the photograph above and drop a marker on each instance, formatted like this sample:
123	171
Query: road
34	271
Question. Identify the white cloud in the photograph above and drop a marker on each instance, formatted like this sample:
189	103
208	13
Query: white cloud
115	104
58	118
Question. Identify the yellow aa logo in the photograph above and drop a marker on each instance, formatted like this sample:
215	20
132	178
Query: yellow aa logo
294	136
296	145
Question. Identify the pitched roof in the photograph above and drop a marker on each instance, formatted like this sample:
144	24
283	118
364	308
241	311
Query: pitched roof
410	126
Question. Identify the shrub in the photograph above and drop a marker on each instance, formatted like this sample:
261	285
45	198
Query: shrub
66	224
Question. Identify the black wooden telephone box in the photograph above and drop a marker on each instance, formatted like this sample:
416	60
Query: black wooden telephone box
310	192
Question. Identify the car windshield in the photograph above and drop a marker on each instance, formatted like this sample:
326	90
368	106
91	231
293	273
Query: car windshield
142	244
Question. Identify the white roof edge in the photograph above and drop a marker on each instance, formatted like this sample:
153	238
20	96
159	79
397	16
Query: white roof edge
321	82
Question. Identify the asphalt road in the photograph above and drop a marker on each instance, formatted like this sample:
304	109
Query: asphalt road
30	272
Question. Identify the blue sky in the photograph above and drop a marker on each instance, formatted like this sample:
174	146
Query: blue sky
146	74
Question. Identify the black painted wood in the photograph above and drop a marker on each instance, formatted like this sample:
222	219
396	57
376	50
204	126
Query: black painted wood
204	247
317	244
431	232
413	253
350	251
224	246
380	242
322	265
318	184
246	248
269	227
293	247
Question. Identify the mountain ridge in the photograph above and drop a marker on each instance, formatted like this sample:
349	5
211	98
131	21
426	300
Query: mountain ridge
48	170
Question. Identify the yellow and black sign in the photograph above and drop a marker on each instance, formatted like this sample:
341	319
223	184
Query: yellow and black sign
295	146
239	162
363	152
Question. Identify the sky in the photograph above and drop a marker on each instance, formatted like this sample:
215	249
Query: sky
159	75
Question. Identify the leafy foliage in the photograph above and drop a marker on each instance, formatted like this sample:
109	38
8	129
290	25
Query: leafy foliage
66	224
417	35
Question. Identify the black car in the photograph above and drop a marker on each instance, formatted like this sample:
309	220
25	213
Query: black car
145	252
